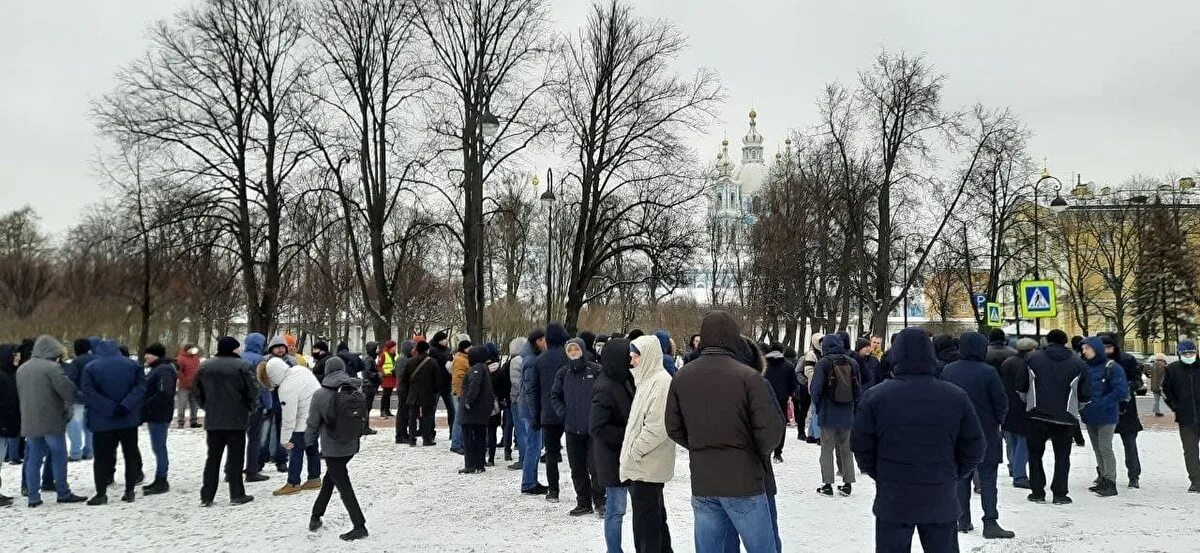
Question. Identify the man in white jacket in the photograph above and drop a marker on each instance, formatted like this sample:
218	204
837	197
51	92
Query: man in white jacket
296	386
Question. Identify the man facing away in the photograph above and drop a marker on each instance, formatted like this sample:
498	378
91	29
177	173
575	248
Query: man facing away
225	389
46	402
114	389
918	437
725	414
1057	384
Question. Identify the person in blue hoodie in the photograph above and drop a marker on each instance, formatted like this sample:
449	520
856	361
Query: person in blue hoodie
114	388
981	382
157	411
252	353
531	445
664	340
917	437
544	417
1109	388
77	432
836	387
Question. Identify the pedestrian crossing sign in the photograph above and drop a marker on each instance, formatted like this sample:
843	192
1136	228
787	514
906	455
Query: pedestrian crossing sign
993	315
1039	299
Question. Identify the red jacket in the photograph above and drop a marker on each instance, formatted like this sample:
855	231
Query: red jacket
188	365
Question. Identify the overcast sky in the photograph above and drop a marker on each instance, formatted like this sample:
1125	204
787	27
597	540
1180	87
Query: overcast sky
1109	88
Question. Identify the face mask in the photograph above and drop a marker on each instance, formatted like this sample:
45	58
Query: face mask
1188	359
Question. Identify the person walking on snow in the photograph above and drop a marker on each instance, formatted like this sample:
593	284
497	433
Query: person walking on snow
157	410
296	386
386	363
114	388
982	384
46	400
1110	388
918	438
571	397
727	416
333	424
1181	391
836	387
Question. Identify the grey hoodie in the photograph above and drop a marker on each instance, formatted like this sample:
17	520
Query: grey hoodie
47	395
515	364
320	413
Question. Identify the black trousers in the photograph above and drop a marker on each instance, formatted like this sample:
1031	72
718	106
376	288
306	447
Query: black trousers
1133	461
474	445
650	532
896	537
448	401
401	418
1060	436
581	459
337	476
232	444
422	414
385	404
253	442
494	424
105	445
783	438
552	436
800	404
369	391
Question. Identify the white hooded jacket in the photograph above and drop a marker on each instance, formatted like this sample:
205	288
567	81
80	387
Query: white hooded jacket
296	388
648	453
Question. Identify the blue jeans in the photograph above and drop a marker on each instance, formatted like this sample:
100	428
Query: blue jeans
298	453
1018	456
814	426
720	521
531	453
456	429
616	498
158	444
78	434
519	429
13	451
36	450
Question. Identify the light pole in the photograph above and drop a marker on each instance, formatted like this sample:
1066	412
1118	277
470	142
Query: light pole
903	261
1057	205
548	199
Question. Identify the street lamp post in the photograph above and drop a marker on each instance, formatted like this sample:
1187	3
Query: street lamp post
903	261
548	199
1057	205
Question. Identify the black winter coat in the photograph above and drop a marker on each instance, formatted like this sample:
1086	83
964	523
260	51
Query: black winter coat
982	384
917	436
1014	374
159	405
354	364
478	398
612	398
502	385
998	352
1129	423
10	408
227	390
419	388
1056	386
571	395
75	372
1181	390
441	355
782	377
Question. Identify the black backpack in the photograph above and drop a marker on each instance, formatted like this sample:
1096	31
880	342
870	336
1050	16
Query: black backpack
841	382
349	413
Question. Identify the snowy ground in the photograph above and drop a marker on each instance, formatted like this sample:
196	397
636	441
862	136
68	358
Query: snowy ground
415	501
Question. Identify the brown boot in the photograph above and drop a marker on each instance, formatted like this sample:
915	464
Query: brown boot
287	489
311	484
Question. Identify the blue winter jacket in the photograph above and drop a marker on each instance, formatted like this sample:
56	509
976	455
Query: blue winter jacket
830	414
75	369
528	375
664	341
114	387
917	436
982	384
252	353
546	368
1109	388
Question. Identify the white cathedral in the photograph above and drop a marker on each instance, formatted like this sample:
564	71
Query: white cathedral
733	202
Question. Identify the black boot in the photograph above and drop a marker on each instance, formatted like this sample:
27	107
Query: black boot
314	523
827	490
965	527
1108	489
993	531
845	489
159	486
355	534
100	499
129	496
581	510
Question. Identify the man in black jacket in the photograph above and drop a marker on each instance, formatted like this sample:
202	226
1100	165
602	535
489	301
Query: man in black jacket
571	398
781	375
1013	374
371	379
612	398
1181	390
917	437
418	382
439	351
1128	424
998	349
157	410
1057	385
544	417
226	389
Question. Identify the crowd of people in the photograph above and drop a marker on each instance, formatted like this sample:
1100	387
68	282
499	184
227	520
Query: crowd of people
930	420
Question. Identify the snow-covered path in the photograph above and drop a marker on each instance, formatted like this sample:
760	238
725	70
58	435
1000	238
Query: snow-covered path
414	500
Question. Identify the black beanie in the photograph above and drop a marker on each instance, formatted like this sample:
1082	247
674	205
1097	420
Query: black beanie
227	345
82	346
997	335
157	350
1057	336
321	345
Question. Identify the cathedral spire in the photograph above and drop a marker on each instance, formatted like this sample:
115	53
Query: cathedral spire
752	143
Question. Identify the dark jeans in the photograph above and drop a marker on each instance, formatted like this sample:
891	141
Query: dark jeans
1189	435
385	404
105	466
253	443
337	476
299	454
896	537
402	418
987	484
553	436
583	470
1060	436
508	428
783	438
650	532
448	401
158	444
369	391
1133	463
800	405
474	447
422	414
231	444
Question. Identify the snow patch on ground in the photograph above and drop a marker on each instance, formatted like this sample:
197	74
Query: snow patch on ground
414	500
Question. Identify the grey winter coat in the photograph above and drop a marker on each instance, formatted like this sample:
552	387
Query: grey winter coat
47	395
320	412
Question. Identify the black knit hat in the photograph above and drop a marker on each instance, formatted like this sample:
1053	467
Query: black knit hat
1057	336
227	345
321	345
156	349
997	335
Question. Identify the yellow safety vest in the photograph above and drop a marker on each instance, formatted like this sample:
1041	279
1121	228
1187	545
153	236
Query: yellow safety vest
389	364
